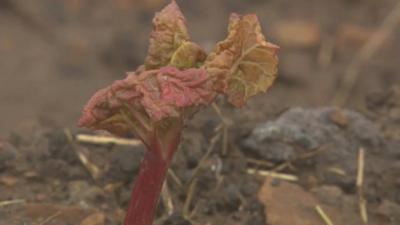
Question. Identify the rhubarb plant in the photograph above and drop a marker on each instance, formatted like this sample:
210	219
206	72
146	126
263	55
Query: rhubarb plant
176	80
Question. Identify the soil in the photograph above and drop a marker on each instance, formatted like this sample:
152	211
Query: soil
55	54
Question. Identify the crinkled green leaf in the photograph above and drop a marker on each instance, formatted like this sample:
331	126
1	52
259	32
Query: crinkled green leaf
188	55
244	64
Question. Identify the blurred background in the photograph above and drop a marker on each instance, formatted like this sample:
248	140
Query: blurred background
55	54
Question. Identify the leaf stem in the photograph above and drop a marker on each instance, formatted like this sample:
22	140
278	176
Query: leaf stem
146	191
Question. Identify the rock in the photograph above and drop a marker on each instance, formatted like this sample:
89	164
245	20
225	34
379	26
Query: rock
94	219
9	181
297	34
390	210
297	204
336	133
339	117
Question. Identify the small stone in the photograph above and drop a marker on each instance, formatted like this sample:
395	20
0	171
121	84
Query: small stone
339	117
30	174
40	197
94	219
9	181
112	187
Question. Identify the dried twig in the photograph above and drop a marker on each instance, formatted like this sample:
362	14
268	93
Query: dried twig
12	202
366	52
272	174
337	170
223	119
260	162
50	218
203	159
186	206
323	215
225	140
167	199
225	125
94	171
99	139
175	178
360	181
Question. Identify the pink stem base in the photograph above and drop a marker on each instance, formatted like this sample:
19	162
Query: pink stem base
146	191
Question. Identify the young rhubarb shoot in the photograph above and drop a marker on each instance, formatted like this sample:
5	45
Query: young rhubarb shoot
178	79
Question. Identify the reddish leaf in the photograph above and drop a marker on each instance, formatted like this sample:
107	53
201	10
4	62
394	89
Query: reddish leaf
141	100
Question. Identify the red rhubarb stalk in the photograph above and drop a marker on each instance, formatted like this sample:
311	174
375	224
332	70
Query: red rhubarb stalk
146	190
148	185
178	79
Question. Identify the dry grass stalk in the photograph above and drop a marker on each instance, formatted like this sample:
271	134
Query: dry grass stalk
203	159
104	140
50	218
360	181
323	215
260	162
94	171
186	206
167	199
12	202
281	176
175	178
